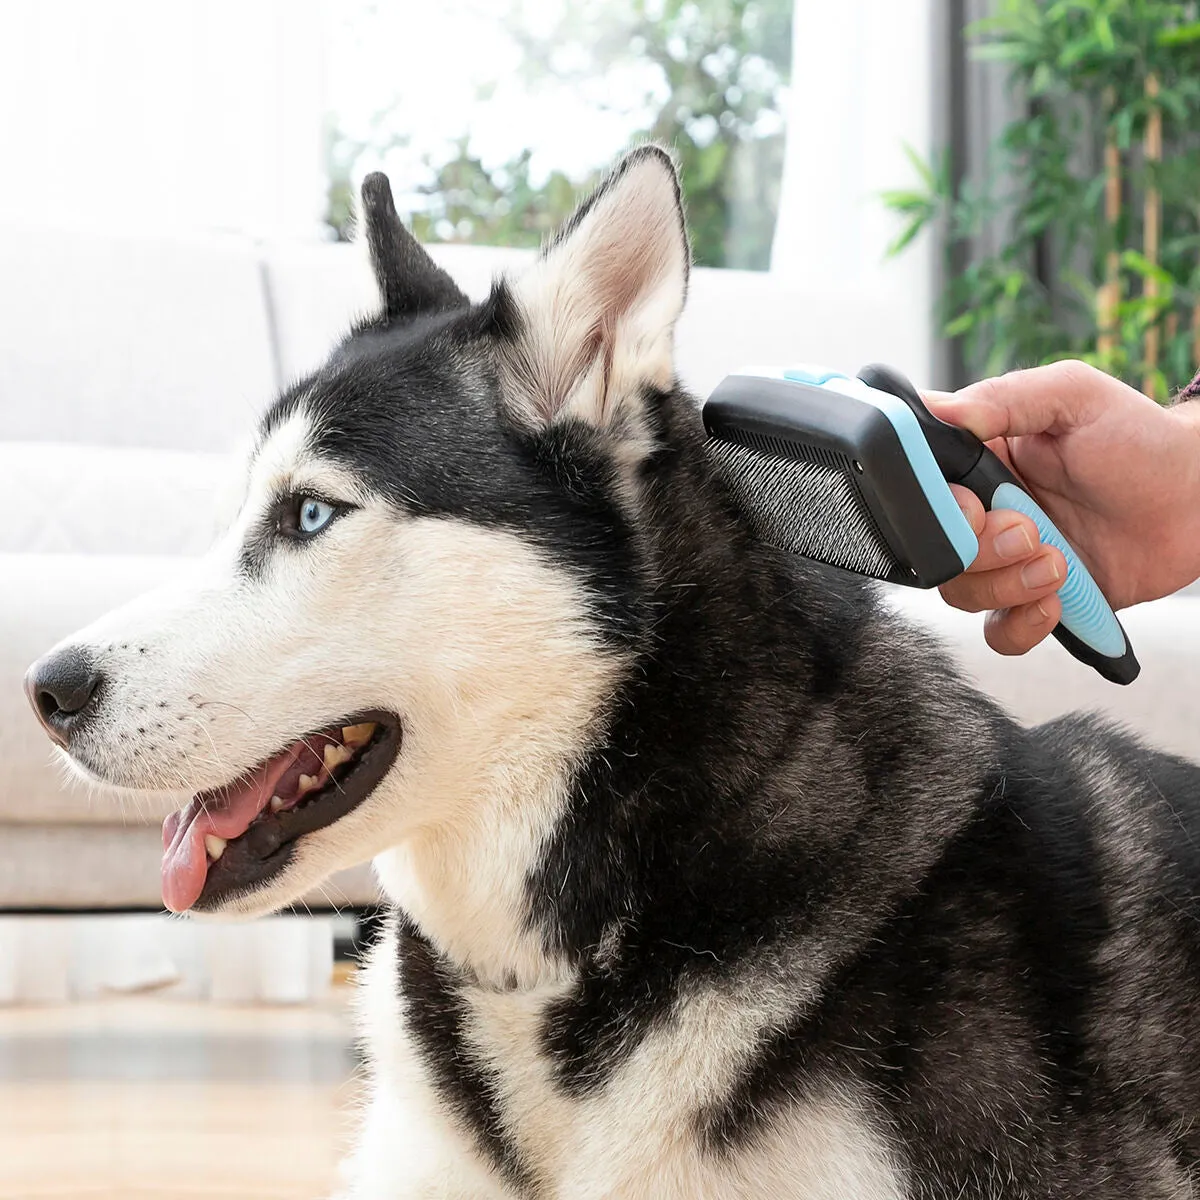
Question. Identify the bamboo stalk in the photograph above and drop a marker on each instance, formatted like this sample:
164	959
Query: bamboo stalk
1110	290
1151	229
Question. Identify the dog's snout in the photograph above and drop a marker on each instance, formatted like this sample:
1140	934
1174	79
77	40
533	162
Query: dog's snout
62	688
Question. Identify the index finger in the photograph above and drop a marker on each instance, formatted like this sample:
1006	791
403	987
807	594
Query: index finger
1050	399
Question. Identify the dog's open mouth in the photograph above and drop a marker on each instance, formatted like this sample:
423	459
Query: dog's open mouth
233	838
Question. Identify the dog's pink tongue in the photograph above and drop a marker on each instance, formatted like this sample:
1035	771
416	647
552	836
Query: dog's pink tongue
227	813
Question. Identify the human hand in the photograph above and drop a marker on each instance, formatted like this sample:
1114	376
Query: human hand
1118	474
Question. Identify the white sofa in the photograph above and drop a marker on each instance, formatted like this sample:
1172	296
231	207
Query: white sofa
130	366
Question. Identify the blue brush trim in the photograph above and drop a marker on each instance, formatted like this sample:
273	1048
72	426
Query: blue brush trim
1085	612
814	375
908	430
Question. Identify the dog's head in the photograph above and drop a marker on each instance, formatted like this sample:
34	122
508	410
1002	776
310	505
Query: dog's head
431	585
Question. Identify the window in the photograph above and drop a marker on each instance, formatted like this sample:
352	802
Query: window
492	116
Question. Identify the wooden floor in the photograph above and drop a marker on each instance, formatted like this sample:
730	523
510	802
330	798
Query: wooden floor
158	1099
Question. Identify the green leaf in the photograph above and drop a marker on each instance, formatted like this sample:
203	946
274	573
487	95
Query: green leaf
907	202
1136	261
1084	287
906	236
1181	35
1123	127
1073	52
1175	106
922	167
1104	33
960	325
1042	80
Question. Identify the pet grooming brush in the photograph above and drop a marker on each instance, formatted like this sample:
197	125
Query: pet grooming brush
856	473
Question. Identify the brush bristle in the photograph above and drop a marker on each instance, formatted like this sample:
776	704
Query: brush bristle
807	507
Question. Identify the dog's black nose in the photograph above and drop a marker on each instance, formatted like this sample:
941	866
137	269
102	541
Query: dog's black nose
62	689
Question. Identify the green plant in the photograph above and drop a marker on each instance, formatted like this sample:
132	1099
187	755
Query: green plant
1094	191
714	72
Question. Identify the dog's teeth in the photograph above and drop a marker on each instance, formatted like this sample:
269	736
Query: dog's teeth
335	755
358	735
307	782
214	845
276	803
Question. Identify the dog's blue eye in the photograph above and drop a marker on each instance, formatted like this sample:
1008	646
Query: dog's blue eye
313	515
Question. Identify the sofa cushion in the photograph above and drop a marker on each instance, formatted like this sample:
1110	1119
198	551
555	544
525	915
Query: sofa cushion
131	340
44	597
77	499
736	319
99	866
732	318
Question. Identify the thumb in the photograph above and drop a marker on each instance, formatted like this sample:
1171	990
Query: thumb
1051	399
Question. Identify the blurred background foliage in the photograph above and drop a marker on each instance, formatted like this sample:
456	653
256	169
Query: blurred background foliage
1080	236
714	93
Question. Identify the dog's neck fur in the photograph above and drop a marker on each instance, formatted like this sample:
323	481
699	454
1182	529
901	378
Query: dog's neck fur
463	883
501	783
544	874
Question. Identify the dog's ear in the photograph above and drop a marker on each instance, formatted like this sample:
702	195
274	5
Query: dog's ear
410	282
593	326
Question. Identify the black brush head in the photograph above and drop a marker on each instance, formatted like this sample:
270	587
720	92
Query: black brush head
806	506
825	474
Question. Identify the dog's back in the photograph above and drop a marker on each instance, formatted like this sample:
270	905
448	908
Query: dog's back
1028	1017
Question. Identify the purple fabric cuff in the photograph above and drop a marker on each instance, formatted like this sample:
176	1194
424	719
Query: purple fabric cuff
1192	390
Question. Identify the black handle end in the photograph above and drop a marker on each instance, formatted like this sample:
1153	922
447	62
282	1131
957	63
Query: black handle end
1123	670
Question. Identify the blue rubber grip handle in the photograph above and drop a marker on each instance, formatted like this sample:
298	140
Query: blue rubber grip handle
1089	628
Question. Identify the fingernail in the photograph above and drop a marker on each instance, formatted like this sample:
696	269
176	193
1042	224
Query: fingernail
1038	613
1042	572
1013	543
975	516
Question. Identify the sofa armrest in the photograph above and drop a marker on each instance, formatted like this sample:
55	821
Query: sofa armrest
1047	682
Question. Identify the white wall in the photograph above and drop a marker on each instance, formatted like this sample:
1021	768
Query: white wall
170	114
862	87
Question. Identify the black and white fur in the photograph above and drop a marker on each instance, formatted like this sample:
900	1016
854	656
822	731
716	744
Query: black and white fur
711	878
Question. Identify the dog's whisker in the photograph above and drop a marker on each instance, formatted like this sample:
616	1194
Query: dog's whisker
226	704
216	753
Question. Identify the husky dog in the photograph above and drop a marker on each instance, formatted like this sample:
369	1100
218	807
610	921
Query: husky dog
710	877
